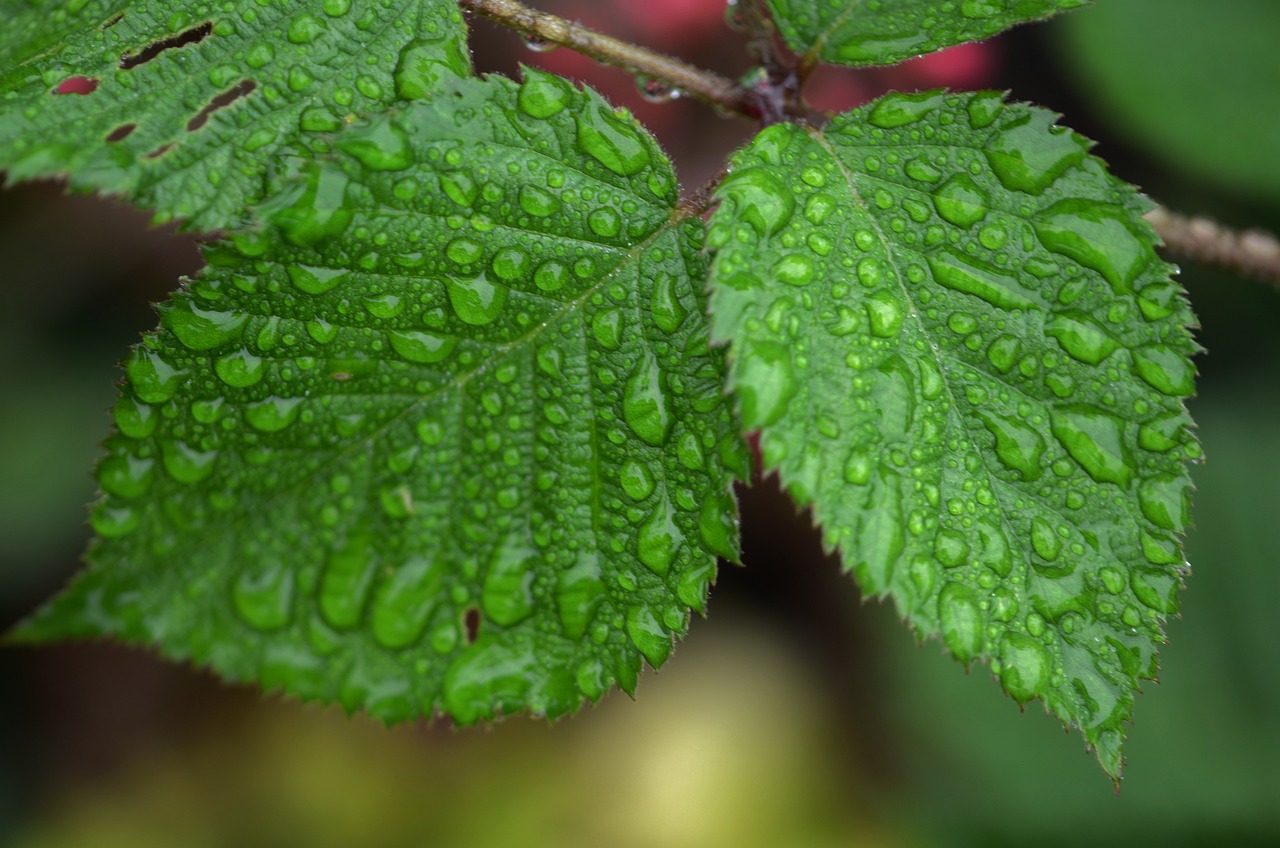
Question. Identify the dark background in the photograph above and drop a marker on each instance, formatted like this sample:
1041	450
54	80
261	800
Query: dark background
795	715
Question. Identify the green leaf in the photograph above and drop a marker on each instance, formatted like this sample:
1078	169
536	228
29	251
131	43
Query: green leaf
883	32
191	103
460	380
949	323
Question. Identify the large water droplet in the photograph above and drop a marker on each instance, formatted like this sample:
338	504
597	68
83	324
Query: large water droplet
645	406
659	539
885	314
1100	236
348	577
957	271
476	300
315	280
543	95
648	634
718	526
201	329
759	198
1080	337
153	379
951	548
1024	667
897	110
1045	540
1165	369
765	382
1096	441
537	202
272	414
314	209
579	593
1157	588
488	678
404	602
959	201
667	310
1030	153
240	369
961	619
421	69
380	145
263	596
126	476
187	464
135	420
507	596
1164	501
611	141
795	269
421	346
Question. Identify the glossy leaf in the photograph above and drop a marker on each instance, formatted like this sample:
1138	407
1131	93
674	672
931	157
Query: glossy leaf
882	32
949	323
182	106
444	434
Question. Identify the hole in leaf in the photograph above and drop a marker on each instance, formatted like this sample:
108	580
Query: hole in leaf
113	21
77	85
160	151
471	624
190	36
121	132
226	98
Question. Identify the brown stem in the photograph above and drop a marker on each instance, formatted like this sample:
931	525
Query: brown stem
1253	253
704	85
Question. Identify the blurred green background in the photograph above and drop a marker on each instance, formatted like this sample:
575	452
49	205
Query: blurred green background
794	716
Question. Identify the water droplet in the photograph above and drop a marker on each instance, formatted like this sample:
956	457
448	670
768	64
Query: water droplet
648	635
537	202
1019	447
314	280
1004	352
313	209
153	379
795	269
464	251
950	548
759	198
272	414
1096	441
488	678
1029	154
606	326
476	300
922	170
1024	667
961	620
884	313
604	222
1099	236
263	596
201	329
135	420
984	107
1165	369
543	95
459	187
656	90
637	481
126	476
611	141
1157	588
187	464
404	602
765	382
422	68
857	468
959	201
537	43
579	593
689	451
1161	434
420	346
380	145
348	577
659	538
305	29
961	273
718	527
239	369
667	310
645	406
1044	540
507	596
897	110
1164	501
1081	338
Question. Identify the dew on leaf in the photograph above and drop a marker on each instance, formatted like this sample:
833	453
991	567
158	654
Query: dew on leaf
348	578
135	420
759	198
1099	236
476	300
187	464
1019	447
972	276
1044	540
263	595
125	476
961	620
1165	369
579	594
667	310
422	346
658	539
1024	667
637	480
645	405
959	201
648	634
507	596
1156	588
379	145
272	414
885	314
1096	441
1080	337
950	548
795	269
1029	154
897	110
766	382
153	379
487	678
1164	501
611	141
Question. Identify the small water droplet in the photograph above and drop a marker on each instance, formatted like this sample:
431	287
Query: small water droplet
795	269
1044	540
637	481
313	209
1156	588
951	548
718	527
201	329
187	464
537	43
604	222
656	90
126	476
1164	501
315	280
135	420
348	577
543	95
152	378
239	369
488	678
667	310
885	314
537	202
1080	337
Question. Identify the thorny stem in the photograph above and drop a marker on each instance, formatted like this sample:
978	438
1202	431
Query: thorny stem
1253	253
705	85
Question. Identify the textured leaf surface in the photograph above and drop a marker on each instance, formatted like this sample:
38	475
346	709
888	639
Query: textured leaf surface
459	381
952	329
882	32
189	102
